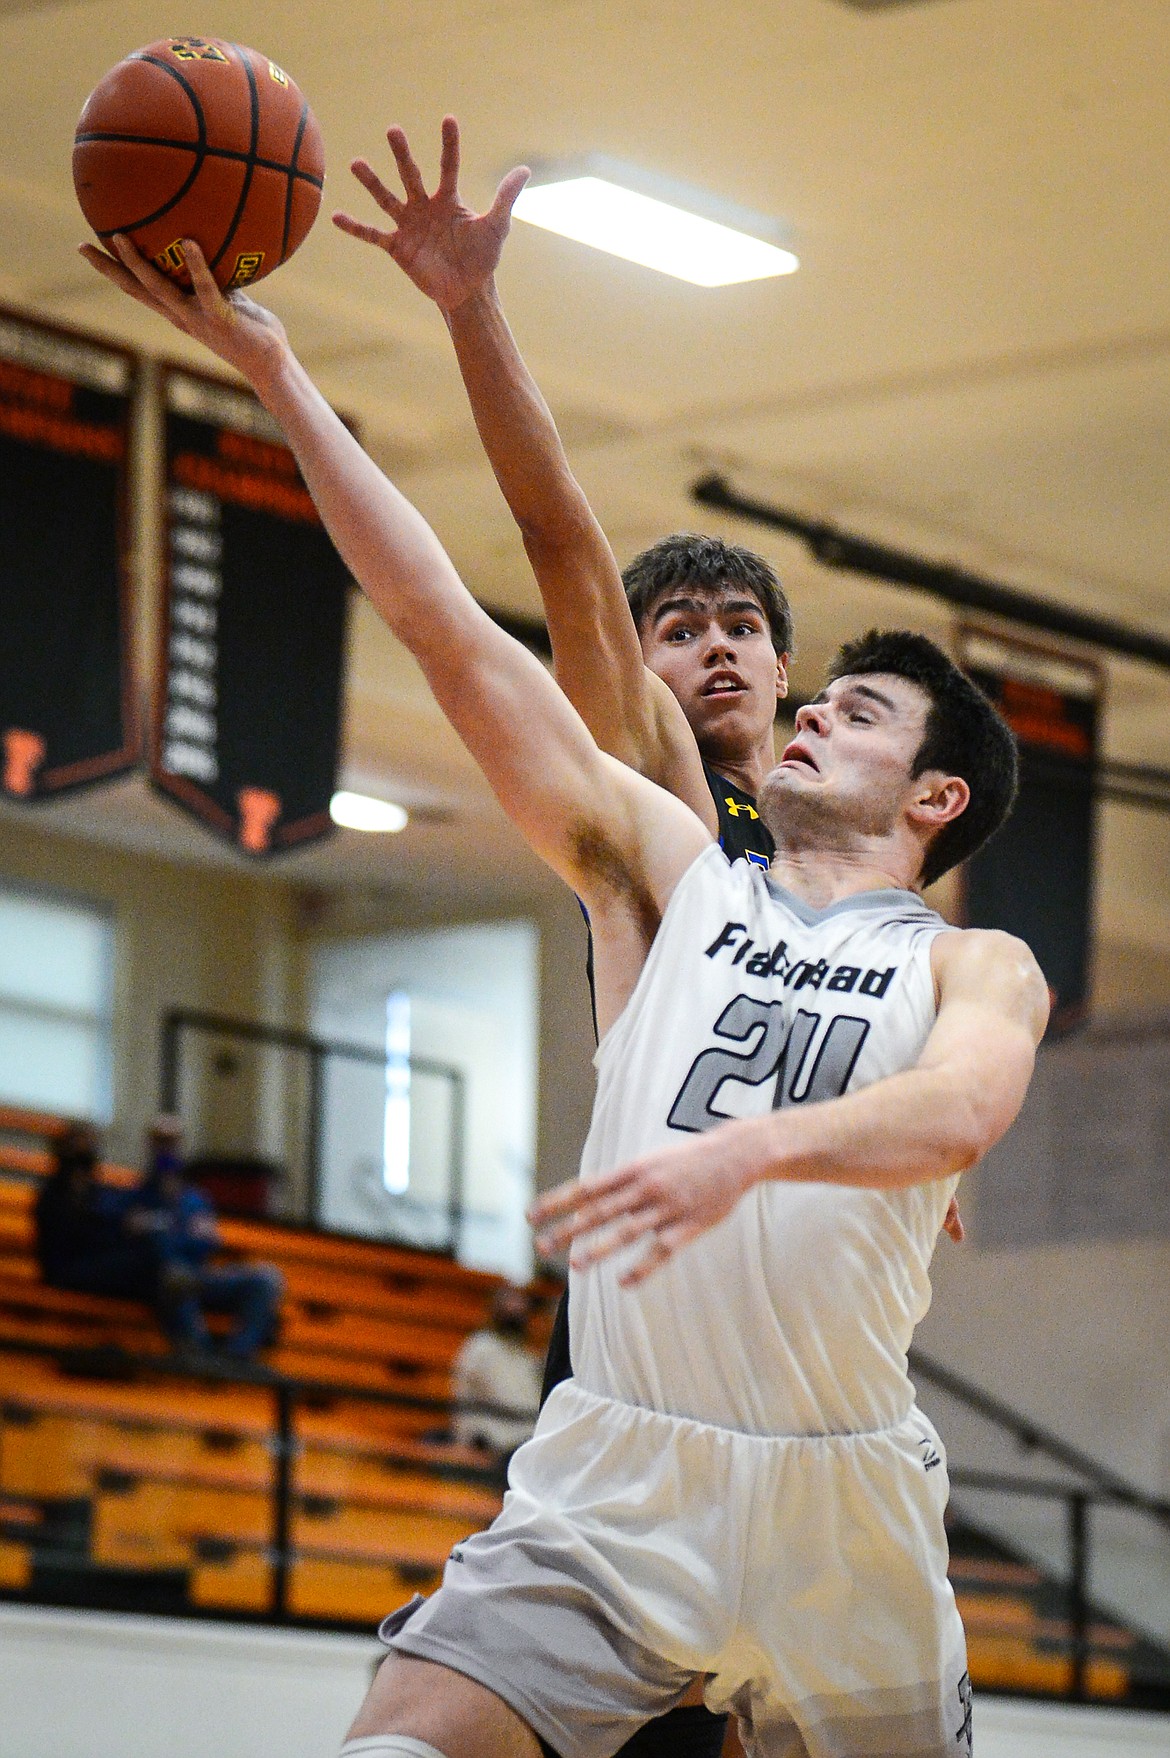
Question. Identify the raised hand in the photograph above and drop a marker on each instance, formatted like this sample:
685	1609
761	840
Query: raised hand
233	326
449	251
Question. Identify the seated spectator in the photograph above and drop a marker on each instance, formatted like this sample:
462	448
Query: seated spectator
178	1223
496	1367
83	1241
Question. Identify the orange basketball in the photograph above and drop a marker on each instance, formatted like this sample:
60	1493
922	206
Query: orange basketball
193	137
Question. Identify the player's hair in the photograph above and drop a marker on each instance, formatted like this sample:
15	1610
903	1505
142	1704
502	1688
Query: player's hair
707	564
965	736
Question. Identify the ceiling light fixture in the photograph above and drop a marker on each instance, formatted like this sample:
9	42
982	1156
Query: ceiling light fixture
654	221
363	812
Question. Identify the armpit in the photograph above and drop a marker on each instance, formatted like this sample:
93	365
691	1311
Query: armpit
597	855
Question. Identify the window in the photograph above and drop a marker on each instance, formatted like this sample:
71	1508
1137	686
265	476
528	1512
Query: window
432	1139
56	1005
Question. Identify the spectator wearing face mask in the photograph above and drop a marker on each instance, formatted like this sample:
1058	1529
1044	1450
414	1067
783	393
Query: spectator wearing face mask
495	1367
83	1239
178	1222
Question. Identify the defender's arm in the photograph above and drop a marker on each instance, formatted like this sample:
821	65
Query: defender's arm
450	253
596	652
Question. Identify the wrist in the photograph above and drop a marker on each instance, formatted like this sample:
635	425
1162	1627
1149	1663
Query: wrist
273	372
482	302
756	1160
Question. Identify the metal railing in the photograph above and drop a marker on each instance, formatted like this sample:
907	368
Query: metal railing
1099	1488
181	1025
1033	1437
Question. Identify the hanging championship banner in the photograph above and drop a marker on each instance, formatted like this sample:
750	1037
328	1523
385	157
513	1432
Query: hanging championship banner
1035	878
248	710
66	690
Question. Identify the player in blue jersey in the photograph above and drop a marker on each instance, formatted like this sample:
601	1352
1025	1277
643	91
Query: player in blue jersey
677	666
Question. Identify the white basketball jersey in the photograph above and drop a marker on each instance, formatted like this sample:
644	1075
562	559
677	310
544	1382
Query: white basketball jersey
794	1314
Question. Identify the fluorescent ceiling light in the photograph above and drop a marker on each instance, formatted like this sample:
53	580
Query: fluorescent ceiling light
653	221
362	812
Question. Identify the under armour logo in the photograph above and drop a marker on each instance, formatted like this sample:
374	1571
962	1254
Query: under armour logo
735	807
930	1455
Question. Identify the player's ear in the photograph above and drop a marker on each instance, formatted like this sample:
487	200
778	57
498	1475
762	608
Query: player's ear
781	675
938	799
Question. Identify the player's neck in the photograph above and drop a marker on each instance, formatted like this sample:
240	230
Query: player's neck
820	877
745	770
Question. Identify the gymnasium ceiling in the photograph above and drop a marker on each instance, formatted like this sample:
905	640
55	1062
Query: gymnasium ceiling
973	361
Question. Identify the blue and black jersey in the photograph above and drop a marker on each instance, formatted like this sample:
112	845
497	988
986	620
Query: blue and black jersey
742	834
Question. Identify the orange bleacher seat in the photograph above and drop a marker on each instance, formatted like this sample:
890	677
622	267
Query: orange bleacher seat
395	1431
318	1587
374	1481
63	1330
383	1295
178	1472
321	1587
64	1454
239	1580
163	1524
396	1266
344	1532
333	1330
15	1566
26	1291
1013	1663
406	1378
31	1383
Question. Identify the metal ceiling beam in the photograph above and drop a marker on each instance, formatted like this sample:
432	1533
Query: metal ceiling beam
834	548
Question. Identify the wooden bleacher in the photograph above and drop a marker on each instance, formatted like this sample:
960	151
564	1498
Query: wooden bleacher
1016	1644
111	1472
166	1478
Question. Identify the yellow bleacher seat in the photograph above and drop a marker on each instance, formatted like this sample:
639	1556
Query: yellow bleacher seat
15	1566
178	1472
352	1592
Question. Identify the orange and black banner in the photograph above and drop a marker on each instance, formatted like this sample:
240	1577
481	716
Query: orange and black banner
1035	878
247	714
66	691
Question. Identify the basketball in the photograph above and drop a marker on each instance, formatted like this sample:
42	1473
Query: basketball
194	137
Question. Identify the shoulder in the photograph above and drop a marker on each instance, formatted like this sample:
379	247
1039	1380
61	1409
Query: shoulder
987	965
981	949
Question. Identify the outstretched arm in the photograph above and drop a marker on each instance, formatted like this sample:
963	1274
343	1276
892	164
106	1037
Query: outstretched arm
931	1121
451	253
565	795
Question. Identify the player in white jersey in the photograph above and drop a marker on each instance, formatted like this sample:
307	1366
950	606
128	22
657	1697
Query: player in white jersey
793	1070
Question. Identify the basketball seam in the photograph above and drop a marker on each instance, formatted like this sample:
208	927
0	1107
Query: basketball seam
292	169
210	152
199	150
250	163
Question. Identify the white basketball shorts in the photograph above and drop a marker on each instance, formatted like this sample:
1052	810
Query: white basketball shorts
803	1578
